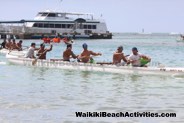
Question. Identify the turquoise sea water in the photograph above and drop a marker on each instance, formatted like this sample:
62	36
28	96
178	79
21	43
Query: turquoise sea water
29	94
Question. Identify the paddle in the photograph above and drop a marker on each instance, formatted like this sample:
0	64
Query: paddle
101	63
56	59
10	50
35	60
108	63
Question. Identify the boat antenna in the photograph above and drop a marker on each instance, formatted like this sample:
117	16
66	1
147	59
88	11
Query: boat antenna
60	2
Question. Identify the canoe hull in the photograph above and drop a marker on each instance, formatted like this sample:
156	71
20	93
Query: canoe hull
12	52
96	67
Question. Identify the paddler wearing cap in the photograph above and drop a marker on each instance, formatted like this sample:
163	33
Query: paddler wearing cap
85	56
42	51
119	55
137	59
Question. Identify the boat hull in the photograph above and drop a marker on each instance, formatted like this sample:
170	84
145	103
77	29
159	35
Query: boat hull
95	67
12	52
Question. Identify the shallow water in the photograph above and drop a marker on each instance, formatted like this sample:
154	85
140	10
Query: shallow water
30	94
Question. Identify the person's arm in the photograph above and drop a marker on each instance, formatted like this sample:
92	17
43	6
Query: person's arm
146	57
48	50
130	60
36	48
38	54
124	58
82	57
95	54
73	55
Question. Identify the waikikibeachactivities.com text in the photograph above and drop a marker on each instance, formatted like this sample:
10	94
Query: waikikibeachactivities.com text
123	114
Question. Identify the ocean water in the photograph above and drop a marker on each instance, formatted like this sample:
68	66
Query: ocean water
30	94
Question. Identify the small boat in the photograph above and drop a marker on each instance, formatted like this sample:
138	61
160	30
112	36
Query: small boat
109	68
180	40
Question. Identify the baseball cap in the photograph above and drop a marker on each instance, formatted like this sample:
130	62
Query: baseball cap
120	47
134	48
85	45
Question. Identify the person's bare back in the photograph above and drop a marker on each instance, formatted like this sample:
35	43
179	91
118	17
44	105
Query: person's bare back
68	53
85	56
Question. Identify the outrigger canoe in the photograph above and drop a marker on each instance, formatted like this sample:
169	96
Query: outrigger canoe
94	67
6	51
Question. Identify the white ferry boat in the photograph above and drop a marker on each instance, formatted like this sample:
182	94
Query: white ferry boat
50	23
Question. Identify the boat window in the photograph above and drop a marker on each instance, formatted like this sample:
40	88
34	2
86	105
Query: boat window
51	15
39	14
35	25
89	26
63	25
85	26
57	25
87	31
51	25
69	26
40	25
46	25
44	14
93	26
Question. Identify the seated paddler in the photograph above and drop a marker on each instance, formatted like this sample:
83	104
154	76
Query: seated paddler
68	53
86	55
118	56
137	59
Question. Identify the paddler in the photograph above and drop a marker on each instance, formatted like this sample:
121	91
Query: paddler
85	56
19	45
68	53
8	44
137	59
118	56
30	53
46	39
42	52
3	44
56	40
14	45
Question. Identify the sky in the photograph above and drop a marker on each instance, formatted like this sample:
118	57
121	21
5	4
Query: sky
120	15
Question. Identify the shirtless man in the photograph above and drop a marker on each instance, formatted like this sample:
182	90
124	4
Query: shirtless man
85	56
8	44
14	45
135	58
68	52
42	52
119	55
19	45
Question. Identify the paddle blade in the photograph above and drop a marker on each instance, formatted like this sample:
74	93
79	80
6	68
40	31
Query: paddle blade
34	61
